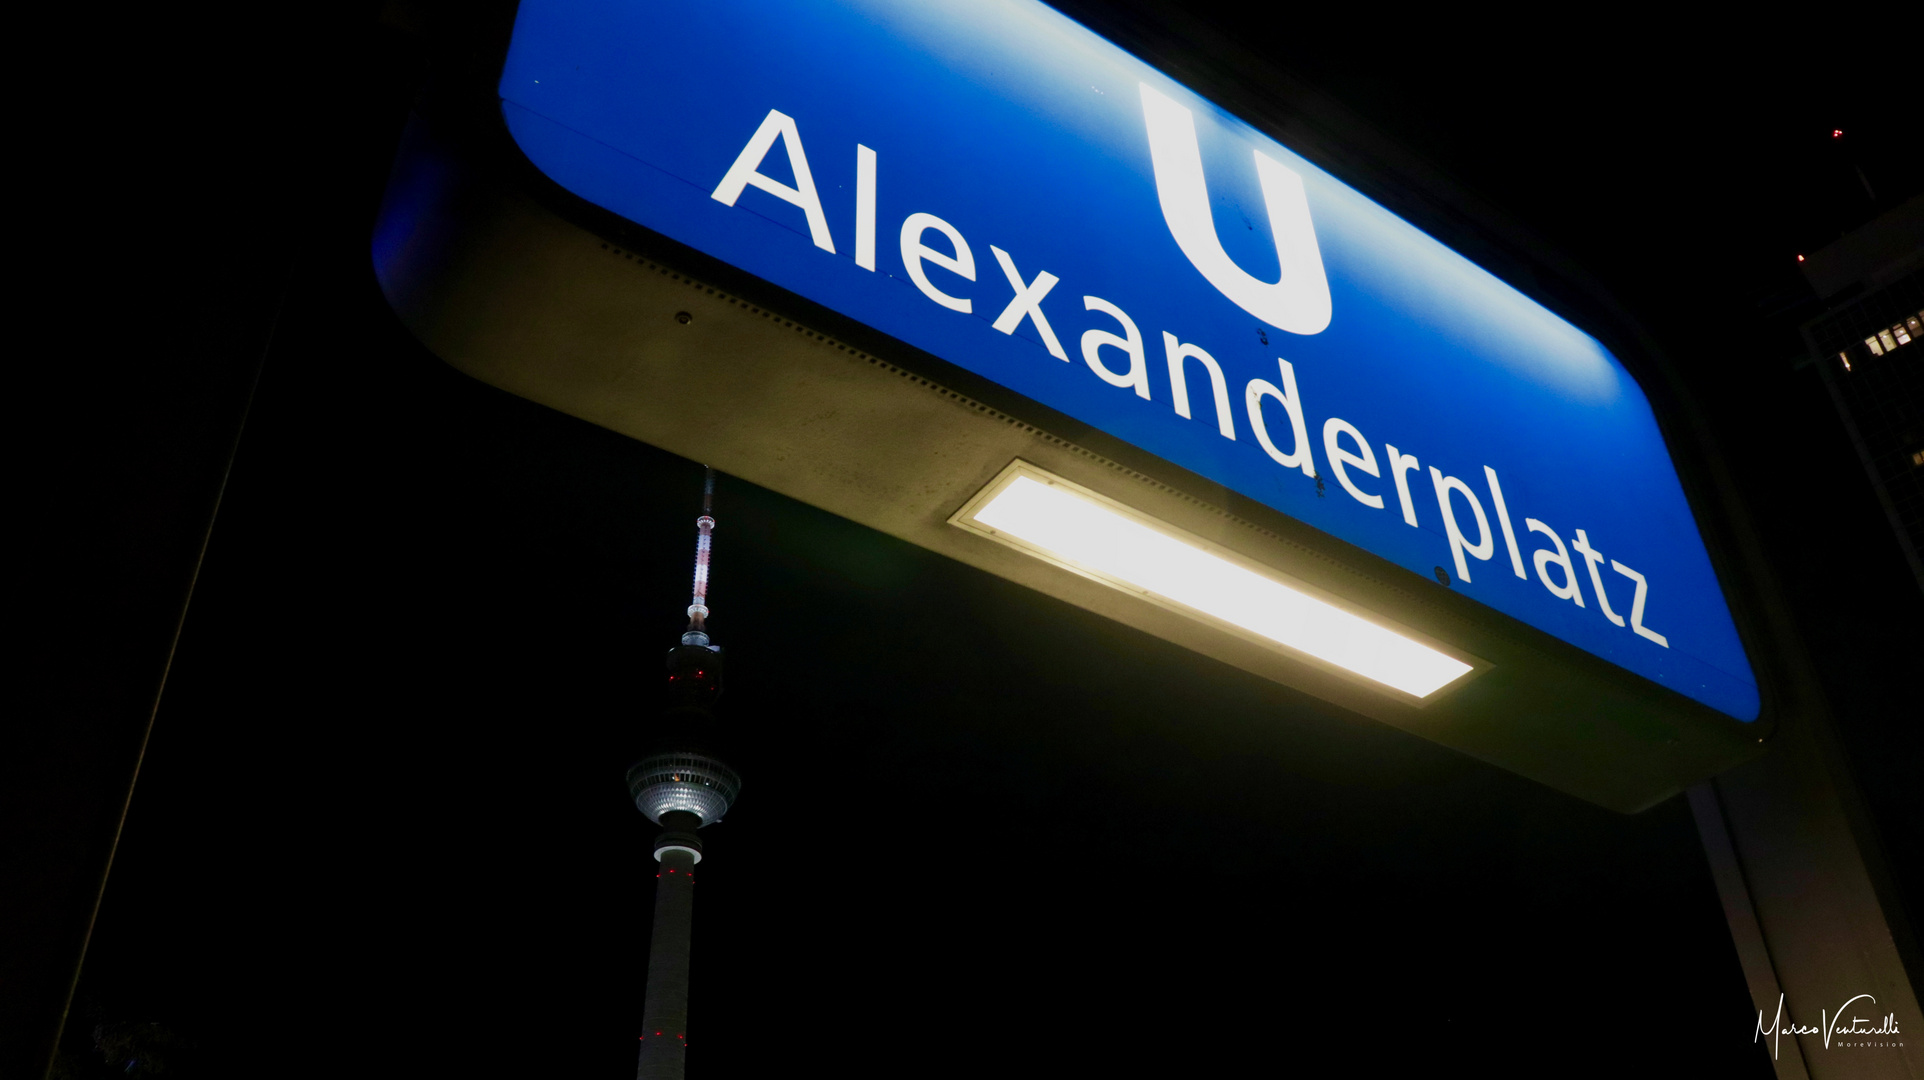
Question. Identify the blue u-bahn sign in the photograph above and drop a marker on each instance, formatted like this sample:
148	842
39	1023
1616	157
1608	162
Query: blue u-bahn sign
990	182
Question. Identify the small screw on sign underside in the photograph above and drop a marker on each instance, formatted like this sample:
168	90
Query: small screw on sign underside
684	318
1442	575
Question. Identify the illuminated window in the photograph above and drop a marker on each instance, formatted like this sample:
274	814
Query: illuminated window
1902	335
1915	326
1871	344
1846	358
1889	342
1917	458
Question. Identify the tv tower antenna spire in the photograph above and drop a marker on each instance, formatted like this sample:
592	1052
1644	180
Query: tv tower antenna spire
683	784
704	542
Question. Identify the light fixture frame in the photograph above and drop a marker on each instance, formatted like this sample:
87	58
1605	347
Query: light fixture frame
964	518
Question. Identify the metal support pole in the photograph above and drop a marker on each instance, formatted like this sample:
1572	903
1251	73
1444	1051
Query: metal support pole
1803	906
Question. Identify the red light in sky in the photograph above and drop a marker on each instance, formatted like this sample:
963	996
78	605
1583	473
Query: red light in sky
1800	258
1836	133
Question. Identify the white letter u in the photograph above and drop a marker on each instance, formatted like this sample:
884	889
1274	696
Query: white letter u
1298	301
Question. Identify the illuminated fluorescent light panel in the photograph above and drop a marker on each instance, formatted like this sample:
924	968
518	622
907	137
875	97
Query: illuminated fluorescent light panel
1048	517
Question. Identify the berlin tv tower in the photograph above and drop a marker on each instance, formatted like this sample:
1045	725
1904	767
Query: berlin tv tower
682	785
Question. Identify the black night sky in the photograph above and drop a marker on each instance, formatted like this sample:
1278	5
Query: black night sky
381	828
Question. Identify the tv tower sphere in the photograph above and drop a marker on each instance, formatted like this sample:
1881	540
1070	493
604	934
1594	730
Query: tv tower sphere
683	780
